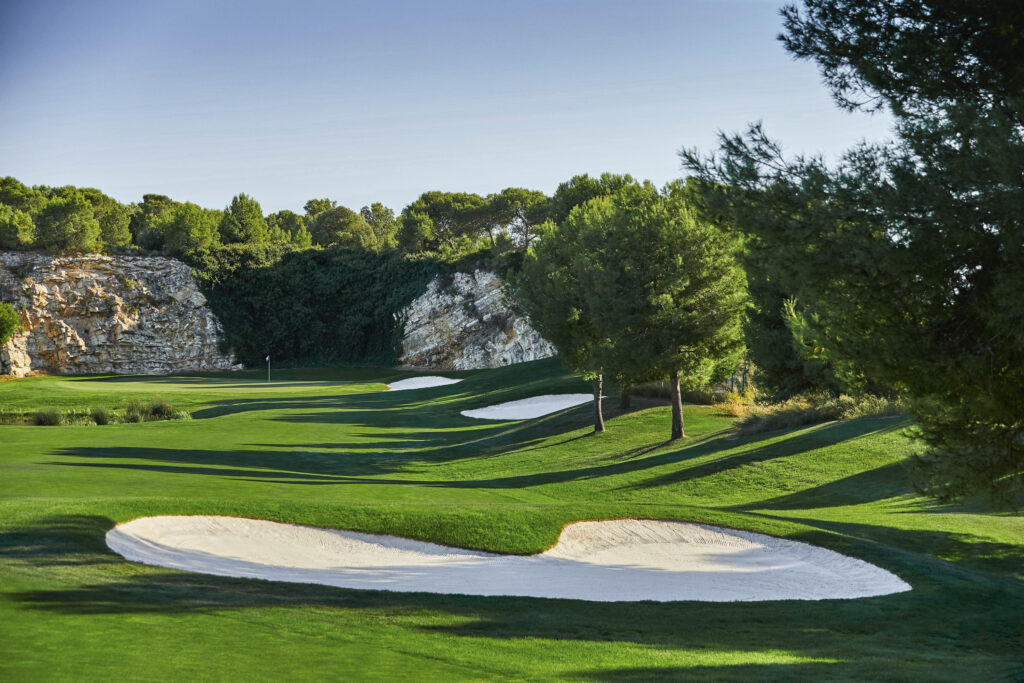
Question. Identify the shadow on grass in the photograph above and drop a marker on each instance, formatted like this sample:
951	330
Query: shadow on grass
945	615
869	486
739	456
320	468
725	672
968	552
70	540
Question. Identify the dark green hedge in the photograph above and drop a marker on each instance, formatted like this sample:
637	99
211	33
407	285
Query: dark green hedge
330	305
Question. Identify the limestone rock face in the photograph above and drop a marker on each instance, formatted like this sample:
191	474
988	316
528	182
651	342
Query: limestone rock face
464	324
99	314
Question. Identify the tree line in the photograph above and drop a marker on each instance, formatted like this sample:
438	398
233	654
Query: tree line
444	225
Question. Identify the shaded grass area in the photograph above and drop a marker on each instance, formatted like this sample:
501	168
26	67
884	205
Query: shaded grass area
345	454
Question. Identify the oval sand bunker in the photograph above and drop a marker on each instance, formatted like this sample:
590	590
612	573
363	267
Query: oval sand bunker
527	408
421	383
609	561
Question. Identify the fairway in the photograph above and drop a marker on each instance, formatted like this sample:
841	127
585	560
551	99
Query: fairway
334	448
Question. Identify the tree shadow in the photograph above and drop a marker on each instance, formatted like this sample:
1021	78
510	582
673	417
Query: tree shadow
955	554
881	483
66	540
807	440
964	610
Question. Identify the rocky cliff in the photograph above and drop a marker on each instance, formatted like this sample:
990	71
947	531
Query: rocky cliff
462	323
98	314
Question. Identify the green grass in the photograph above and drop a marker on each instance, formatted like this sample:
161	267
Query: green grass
330	448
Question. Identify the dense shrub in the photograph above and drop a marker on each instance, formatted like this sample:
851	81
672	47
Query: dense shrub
811	409
99	415
10	322
47	417
334	304
136	411
155	409
159	408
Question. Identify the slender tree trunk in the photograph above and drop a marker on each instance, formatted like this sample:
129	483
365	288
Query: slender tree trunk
677	407
624	399
598	415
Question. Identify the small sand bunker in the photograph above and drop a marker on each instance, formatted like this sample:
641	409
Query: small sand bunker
609	561
421	383
528	408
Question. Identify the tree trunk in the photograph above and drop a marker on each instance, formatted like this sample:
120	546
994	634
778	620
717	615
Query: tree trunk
677	407
624	399
598	415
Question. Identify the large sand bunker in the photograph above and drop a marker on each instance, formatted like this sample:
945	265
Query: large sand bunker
421	382
609	561
527	408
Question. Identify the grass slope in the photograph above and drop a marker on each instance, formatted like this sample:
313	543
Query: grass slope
330	448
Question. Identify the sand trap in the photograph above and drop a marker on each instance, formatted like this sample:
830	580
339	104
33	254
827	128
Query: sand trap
611	561
421	383
527	408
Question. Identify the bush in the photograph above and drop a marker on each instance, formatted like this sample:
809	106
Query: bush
159	408
99	415
156	408
812	409
136	412
10	322
47	417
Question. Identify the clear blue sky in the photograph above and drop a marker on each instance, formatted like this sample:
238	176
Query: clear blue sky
382	100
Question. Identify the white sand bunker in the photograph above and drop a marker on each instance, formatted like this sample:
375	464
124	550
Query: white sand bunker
611	561
528	408
421	382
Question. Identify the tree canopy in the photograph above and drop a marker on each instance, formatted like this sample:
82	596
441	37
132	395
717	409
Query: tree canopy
908	256
631	285
243	222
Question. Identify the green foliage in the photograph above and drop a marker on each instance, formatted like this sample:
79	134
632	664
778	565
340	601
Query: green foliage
382	223
343	227
581	189
16	228
67	224
47	417
293	227
10	322
548	291
808	409
906	257
668	289
21	197
331	304
189	227
518	212
150	219
444	223
100	415
315	207
113	217
243	222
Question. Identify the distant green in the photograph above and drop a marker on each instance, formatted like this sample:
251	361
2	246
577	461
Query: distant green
332	448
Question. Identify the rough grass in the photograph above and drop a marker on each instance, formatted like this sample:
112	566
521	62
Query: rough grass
330	448
805	410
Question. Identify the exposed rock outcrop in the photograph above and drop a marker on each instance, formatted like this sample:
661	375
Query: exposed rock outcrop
97	314
462	323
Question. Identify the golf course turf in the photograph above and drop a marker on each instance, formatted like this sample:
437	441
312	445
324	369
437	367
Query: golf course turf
332	448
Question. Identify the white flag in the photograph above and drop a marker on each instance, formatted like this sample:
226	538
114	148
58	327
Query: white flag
268	359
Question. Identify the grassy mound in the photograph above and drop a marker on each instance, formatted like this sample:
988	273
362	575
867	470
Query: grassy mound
332	448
